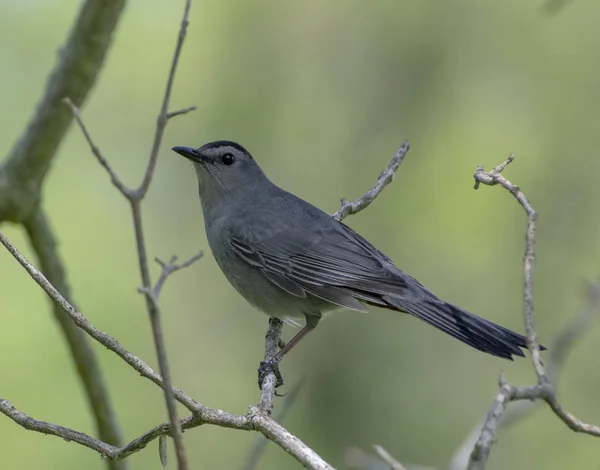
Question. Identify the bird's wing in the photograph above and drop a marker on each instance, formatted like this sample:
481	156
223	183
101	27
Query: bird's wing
334	264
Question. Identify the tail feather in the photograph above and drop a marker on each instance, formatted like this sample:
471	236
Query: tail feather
477	332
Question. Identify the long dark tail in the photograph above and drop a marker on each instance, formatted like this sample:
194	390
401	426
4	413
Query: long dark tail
470	329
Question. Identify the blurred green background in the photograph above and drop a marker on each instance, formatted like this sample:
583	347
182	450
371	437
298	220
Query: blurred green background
322	93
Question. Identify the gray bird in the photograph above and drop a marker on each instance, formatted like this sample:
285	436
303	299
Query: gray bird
294	262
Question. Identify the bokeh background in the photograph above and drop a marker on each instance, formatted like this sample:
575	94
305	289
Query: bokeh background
322	93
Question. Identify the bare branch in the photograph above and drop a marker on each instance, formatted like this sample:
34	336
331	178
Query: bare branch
43	243
495	177
168	268
135	201
272	340
114	179
260	443
254	420
135	198
388	459
171	267
103	338
31	424
179	112
288	442
544	389
164	115
385	178
562	344
95	149
490	426
107	451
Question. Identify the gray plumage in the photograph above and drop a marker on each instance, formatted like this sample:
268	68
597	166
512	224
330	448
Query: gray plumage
291	260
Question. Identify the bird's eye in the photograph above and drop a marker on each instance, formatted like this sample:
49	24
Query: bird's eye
228	159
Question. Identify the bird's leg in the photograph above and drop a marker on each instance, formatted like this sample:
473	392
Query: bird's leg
272	364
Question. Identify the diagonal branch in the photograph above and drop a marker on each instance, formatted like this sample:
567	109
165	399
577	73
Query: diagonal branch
260	443
44	244
83	323
114	179
254	420
385	178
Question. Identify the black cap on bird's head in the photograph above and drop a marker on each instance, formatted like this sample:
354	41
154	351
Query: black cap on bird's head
214	151
221	166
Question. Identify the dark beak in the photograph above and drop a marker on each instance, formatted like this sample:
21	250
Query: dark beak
187	152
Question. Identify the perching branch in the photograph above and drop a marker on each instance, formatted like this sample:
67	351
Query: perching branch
385	178
260	443
253	420
257	419
272	341
544	388
273	335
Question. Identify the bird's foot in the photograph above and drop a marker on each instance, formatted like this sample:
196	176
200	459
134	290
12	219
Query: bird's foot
265	368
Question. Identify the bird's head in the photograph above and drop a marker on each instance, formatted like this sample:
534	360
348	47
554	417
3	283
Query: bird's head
223	168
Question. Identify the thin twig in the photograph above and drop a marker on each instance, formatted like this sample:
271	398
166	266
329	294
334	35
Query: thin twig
253	420
135	202
260	443
179	112
163	116
169	268
31	424
495	177
135	198
114	179
544	388
388	459
385	178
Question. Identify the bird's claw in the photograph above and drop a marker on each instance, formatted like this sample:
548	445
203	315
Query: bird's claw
265	368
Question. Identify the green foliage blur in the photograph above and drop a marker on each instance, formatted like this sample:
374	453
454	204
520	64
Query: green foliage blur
322	93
